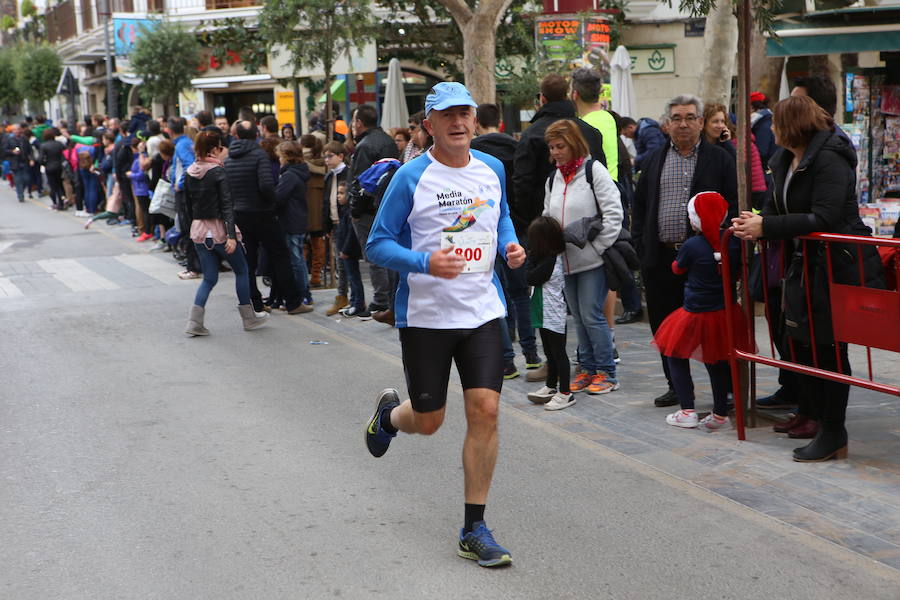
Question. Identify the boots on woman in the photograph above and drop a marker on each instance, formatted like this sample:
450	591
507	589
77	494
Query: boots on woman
339	303
251	318
826	445
317	247
195	322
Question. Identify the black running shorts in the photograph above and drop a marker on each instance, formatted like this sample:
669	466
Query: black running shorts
427	354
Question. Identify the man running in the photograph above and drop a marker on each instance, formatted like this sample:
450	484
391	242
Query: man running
440	223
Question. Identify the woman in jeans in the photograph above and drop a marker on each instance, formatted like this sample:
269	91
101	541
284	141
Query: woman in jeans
210	212
573	202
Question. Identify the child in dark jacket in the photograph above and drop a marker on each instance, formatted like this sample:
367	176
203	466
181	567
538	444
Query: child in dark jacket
698	329
350	253
545	272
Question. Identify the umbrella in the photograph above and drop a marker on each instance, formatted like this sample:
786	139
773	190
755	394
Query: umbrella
622	86
394	112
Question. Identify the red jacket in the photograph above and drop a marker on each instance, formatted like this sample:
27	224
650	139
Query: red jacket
757	175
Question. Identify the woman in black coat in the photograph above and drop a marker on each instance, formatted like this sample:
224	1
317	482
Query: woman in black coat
815	191
51	158
292	210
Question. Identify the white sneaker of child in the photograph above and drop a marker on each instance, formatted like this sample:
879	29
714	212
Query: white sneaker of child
542	395
710	423
680	418
560	401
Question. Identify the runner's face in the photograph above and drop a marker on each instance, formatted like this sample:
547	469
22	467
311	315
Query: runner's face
452	128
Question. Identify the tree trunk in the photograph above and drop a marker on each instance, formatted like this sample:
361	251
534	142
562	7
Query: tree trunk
765	72
719	51
479	57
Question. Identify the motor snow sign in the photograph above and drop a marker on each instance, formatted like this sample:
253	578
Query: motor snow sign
574	40
650	60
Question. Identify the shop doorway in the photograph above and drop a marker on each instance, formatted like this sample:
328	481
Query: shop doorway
228	104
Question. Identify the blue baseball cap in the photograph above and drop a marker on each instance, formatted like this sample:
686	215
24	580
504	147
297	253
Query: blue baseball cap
447	94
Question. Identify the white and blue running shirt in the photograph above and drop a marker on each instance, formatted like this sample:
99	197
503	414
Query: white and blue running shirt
424	200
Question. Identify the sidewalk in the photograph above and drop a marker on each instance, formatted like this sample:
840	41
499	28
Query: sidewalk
854	503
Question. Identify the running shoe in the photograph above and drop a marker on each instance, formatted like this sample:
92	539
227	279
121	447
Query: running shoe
710	423
510	371
601	383
680	418
560	401
580	383
532	361
377	439
542	396
480	545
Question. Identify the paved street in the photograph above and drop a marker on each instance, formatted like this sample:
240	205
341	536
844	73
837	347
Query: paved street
139	463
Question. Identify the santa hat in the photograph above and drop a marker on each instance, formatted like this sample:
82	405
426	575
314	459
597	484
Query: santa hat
757	97
707	210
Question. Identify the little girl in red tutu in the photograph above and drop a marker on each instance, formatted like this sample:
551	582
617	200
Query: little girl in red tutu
697	330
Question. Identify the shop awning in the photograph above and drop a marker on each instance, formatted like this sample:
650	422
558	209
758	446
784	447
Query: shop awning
338	91
845	30
834	40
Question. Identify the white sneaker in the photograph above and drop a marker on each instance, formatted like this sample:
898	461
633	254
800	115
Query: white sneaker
560	401
680	418
80	213
542	395
710	423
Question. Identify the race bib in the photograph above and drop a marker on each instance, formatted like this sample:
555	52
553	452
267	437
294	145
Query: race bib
476	247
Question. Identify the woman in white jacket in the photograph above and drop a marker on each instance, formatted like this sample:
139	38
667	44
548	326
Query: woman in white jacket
571	199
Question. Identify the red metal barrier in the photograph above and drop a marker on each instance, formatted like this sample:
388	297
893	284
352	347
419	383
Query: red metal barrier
860	315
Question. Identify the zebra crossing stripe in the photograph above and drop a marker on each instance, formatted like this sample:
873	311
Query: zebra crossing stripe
161	270
8	289
75	275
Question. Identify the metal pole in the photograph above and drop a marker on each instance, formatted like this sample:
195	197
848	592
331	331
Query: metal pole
111	108
298	115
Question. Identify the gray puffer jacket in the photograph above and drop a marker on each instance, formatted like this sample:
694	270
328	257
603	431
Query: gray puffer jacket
568	203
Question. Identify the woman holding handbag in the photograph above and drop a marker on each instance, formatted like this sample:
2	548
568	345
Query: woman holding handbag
572	194
815	181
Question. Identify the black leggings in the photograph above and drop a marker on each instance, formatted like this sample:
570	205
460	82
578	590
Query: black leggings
719	379
144	202
558	369
54	178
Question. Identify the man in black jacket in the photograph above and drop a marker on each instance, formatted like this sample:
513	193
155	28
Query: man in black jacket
123	157
372	144
672	175
19	153
253	192
532	165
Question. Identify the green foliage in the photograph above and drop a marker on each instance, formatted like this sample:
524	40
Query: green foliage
763	11
28	8
9	95
38	69
166	58
316	31
616	21
233	35
8	22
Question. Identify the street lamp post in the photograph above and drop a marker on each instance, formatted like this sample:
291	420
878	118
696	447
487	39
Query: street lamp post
105	12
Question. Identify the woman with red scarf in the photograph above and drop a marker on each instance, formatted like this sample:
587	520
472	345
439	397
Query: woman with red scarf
583	200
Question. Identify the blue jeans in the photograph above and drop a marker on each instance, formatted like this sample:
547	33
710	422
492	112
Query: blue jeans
355	283
509	354
586	293
631	296
295	242
209	260
22	179
518	304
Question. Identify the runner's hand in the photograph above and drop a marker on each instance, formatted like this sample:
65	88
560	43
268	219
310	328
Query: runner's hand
230	246
444	263
515	255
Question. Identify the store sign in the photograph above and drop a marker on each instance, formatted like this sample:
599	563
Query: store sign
574	40
284	107
126	33
359	61
652	60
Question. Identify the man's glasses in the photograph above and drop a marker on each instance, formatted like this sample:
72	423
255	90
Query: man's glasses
688	119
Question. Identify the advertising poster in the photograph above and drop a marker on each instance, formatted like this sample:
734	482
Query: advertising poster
127	31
